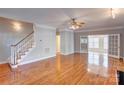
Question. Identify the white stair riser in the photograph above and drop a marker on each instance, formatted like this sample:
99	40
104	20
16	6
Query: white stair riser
23	56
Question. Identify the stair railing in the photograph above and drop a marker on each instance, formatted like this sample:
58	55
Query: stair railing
21	48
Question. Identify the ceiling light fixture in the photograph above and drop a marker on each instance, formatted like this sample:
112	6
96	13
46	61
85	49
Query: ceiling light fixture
74	25
113	13
16	26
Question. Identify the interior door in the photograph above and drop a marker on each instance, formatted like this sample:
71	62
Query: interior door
114	45
83	44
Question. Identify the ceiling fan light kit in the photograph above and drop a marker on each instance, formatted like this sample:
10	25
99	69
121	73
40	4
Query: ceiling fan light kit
75	25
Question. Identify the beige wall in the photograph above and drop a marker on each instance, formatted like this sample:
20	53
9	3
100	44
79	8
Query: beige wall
58	43
11	32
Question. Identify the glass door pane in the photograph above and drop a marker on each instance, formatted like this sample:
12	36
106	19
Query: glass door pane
114	45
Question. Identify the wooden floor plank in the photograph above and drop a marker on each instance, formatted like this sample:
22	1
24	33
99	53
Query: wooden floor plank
65	70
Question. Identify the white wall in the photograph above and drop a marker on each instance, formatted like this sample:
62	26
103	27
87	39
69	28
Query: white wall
45	39
10	36
67	42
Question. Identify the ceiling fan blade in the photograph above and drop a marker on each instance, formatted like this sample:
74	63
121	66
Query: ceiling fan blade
78	16
82	23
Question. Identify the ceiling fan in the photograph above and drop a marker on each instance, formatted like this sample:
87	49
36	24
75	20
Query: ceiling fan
74	24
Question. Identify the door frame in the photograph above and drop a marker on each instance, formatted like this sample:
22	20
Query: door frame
87	43
118	46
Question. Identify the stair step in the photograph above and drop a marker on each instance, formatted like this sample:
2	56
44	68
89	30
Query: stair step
22	54
23	47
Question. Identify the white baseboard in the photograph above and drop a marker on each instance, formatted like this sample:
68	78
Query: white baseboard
67	53
36	60
114	56
4	62
76	51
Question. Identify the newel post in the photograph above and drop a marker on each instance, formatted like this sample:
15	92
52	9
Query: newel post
13	62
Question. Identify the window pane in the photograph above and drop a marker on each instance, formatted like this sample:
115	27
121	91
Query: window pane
105	43
90	45
96	42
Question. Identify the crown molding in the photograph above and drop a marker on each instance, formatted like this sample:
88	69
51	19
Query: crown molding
67	30
44	26
102	29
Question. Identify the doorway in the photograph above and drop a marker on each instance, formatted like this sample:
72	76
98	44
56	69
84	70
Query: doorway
98	43
114	45
94	43
109	44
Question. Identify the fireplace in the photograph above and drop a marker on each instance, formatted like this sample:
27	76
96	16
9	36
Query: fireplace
120	77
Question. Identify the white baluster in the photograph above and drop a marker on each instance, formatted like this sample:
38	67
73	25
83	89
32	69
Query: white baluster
20	48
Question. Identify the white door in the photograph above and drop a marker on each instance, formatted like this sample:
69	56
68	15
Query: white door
83	44
98	43
114	45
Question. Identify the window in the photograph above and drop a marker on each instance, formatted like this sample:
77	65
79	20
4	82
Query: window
93	42
106	42
96	43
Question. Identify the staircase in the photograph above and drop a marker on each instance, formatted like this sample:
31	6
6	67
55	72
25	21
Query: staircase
21	49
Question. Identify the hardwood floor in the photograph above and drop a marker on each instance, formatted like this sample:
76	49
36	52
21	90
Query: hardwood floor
86	69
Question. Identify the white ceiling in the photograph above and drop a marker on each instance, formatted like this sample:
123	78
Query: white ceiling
54	17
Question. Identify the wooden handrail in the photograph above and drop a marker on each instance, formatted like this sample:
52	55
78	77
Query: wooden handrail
21	48
23	39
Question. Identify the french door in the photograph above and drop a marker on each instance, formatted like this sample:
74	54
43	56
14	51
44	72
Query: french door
114	45
83	44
